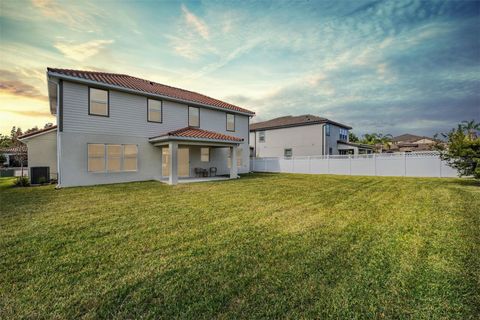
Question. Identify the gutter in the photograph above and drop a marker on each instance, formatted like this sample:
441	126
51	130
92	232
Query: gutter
169	138
143	93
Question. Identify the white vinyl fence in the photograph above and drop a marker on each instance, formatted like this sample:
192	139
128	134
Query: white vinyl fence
415	164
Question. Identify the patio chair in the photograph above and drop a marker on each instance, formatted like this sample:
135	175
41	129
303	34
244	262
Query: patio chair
213	171
198	172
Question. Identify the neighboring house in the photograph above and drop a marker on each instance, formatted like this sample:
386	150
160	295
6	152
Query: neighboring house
410	143
305	135
118	128
11	159
42	149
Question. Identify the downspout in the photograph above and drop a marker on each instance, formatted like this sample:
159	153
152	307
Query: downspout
59	130
323	140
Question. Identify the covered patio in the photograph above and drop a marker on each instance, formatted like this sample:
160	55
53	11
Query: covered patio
195	155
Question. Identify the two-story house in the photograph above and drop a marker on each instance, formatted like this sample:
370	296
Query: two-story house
118	128
305	135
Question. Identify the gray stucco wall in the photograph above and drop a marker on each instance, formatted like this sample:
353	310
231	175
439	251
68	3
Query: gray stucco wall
127	124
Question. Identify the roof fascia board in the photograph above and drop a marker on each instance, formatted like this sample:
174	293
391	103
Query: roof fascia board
301	125
143	93
34	135
174	138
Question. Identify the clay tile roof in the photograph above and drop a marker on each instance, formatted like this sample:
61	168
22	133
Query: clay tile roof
37	132
133	83
197	133
292	121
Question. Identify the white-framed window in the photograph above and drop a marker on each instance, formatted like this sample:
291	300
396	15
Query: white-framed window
154	112
112	157
193	117
327	129
205	154
230	122
98	102
343	134
130	155
287	153
96	157
261	136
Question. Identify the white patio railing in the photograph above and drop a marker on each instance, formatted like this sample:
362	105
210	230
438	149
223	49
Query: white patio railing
415	164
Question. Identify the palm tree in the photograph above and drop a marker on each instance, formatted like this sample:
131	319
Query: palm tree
471	128
385	140
379	140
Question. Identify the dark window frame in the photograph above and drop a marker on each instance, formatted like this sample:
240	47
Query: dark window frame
226	121
327	130
260	136
188	117
108	102
291	153
148	111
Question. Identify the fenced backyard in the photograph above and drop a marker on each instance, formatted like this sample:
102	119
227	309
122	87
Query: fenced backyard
415	164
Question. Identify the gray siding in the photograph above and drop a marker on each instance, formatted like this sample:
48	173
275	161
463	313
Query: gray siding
127	124
128	114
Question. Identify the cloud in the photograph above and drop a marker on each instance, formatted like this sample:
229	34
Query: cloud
11	84
31	113
82	51
195	22
78	18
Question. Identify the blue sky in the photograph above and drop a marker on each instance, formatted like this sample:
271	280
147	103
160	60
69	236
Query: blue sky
379	66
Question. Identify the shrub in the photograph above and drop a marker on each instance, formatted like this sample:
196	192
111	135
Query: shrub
22	182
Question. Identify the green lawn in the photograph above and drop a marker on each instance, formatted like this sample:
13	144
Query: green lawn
264	246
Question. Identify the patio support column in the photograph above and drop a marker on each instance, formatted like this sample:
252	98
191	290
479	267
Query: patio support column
173	164
233	167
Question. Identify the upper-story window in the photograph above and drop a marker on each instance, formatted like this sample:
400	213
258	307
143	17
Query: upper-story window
261	136
287	153
230	122
154	110
343	134
98	102
193	117
327	129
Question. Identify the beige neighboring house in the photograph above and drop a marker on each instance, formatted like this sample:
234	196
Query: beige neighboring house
42	149
410	143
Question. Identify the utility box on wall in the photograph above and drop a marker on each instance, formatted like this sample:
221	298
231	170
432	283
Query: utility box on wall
39	175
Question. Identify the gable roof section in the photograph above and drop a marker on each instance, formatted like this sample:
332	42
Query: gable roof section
146	86
293	121
409	138
38	132
190	133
